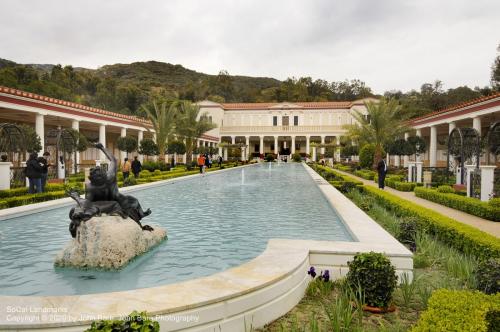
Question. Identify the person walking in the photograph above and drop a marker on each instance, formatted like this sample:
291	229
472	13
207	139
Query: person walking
207	161
44	161
136	167
219	160
382	171
201	162
126	169
34	174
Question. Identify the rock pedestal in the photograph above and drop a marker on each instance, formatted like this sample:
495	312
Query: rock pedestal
108	242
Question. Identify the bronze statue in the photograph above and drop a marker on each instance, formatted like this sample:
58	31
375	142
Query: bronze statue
102	196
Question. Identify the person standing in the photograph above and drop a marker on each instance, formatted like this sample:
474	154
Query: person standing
126	169
34	174
219	161
201	162
136	167
44	161
382	171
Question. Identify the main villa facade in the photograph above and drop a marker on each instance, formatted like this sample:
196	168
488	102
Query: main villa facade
280	128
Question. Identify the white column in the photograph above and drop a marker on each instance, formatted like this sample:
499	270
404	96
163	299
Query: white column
225	154
102	140
123	154
406	159
155	158
293	145
247	150
337	149
233	139
418	133
220	151
476	124
322	142
308	144
276	145
451	126
75	125
433	147
140	137
487	180
40	129
261	145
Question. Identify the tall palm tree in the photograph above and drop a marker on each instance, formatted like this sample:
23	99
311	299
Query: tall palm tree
162	118
383	124
190	125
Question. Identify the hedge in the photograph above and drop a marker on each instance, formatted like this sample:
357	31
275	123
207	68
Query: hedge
463	237
404	186
365	174
467	204
50	187
31	198
453	310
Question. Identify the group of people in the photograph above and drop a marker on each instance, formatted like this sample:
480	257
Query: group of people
205	161
135	166
37	169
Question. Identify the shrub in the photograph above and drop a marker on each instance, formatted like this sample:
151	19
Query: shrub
466	204
296	157
130	181
445	189
495	203
270	157
404	186
366	155
408	232
156	172
135	322
464	238
375	275
145	174
452	310
33	198
488	276
365	174
493	320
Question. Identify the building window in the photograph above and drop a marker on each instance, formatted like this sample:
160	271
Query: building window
296	120
285	121
275	120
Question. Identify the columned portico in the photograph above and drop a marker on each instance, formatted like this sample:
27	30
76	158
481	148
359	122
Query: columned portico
476	124
261	145
75	125
293	145
276	150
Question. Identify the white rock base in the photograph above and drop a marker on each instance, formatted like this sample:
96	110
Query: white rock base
108	242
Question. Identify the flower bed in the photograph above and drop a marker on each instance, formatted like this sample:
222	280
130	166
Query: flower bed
463	237
466	204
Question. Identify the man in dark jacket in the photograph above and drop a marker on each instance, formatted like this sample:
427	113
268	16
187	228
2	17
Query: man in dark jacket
382	171
136	167
34	174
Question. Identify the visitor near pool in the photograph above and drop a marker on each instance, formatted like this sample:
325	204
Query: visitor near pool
126	168
201	163
136	167
34	171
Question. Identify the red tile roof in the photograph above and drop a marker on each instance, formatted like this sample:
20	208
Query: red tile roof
63	103
457	107
305	105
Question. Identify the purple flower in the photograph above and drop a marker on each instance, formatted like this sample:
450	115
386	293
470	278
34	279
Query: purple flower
325	276
312	272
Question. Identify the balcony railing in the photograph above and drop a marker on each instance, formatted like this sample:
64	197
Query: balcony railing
280	129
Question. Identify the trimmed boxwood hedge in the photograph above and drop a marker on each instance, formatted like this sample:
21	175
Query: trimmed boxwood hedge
31	198
365	174
50	187
463	237
404	186
466	204
453	310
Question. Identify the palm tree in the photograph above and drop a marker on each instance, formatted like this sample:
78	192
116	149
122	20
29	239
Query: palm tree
162	118
383	124
190	125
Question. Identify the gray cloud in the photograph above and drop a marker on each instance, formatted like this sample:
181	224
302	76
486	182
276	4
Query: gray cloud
388	44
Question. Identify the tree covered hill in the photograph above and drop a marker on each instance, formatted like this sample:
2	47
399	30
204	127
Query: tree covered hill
124	88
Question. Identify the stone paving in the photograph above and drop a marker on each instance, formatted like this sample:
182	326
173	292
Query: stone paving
485	225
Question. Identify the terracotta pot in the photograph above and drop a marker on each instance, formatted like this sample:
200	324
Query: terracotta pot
378	310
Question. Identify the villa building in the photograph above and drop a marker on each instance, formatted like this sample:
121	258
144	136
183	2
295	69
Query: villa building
261	128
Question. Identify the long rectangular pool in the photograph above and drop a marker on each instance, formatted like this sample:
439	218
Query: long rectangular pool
214	223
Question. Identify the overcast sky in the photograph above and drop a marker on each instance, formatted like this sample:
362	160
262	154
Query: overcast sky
388	44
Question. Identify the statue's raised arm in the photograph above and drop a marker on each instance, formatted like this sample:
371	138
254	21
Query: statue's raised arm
112	168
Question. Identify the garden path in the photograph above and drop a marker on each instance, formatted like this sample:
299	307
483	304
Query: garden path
485	225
